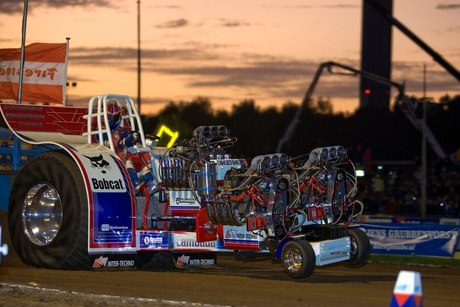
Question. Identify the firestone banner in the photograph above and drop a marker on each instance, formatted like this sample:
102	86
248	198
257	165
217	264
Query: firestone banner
44	77
411	239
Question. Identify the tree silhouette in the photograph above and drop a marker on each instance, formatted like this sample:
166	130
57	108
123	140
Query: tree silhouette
388	134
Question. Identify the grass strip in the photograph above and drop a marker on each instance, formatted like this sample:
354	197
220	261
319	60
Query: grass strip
420	260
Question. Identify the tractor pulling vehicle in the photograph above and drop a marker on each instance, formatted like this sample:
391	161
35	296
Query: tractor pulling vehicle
74	206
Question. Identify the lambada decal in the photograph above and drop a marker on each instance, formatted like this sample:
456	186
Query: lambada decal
188	243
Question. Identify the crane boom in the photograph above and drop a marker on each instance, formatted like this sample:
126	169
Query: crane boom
401	99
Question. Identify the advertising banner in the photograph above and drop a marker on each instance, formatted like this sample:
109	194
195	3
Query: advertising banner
411	239
45	73
416	220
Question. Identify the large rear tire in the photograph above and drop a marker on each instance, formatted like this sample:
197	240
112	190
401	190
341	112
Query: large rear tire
48	213
360	246
298	258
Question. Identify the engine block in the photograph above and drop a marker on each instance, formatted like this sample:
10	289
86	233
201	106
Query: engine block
275	191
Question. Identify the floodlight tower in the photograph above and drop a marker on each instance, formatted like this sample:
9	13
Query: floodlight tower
375	55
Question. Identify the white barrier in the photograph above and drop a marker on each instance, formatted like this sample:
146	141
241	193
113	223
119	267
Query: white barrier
408	290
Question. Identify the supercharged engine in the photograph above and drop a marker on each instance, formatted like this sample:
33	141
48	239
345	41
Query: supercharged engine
275	192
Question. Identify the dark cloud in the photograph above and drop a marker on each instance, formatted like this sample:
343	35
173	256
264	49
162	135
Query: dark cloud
255	74
279	78
291	78
82	101
341	6
65	3
11	6
233	23
333	6
178	23
176	7
7	40
104	55
82	55
17	6
437	79
448	6
266	75
75	78
453	29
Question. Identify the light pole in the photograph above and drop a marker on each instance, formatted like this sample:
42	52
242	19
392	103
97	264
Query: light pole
139	56
423	175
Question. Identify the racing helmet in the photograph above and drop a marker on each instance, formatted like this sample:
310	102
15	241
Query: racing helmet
114	116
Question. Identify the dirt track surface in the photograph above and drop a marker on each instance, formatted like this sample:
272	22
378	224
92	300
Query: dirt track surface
255	282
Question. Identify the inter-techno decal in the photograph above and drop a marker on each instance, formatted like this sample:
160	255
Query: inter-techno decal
240	234
195	259
114	261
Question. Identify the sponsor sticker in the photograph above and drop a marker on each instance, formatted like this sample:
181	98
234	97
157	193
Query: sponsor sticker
114	261
187	241
153	240
183	200
196	259
240	233
103	173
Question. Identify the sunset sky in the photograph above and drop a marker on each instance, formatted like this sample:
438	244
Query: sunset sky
231	50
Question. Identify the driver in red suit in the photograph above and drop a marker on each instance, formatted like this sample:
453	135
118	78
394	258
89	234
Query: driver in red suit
122	140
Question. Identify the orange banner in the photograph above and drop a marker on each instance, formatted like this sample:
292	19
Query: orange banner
44	77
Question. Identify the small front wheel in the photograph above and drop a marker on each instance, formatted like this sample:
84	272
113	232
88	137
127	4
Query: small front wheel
298	258
360	246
